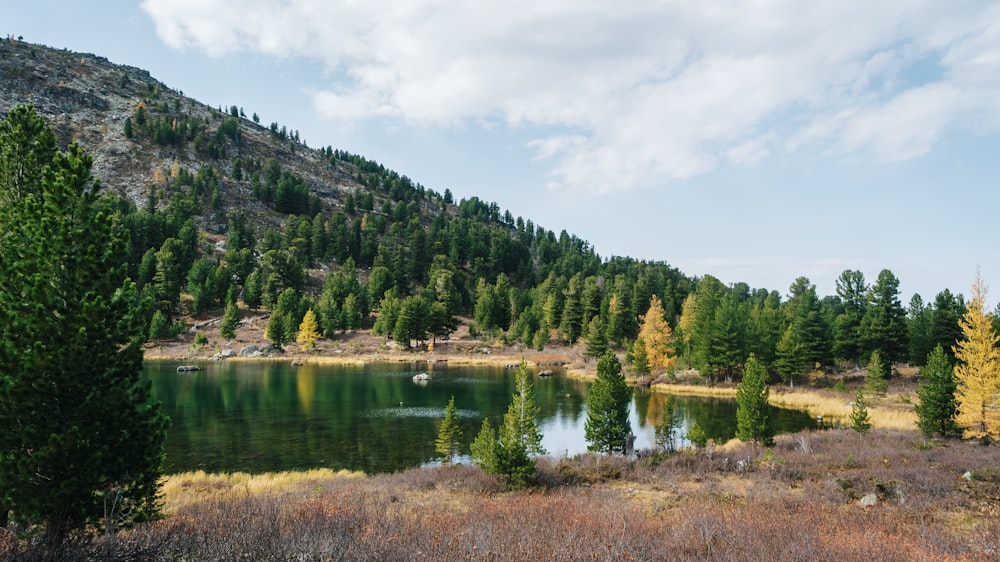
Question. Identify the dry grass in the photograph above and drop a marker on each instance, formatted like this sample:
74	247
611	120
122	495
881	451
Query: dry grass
893	411
796	501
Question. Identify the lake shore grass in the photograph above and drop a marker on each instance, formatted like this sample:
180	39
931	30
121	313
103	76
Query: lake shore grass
804	498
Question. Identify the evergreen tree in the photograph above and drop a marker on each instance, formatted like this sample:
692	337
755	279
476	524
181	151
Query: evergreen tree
617	308
945	315
78	425
657	337
875	378
668	424
277	329
789	355
853	293
811	327
520	423
859	413
919	325
308	331
230	321
597	342
638	357
571	323
607	423
697	436
752	410
937	408
978	370
253	289
728	328
484	448
449	439
884	324
159	327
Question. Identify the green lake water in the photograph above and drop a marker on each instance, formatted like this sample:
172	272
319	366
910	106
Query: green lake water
263	416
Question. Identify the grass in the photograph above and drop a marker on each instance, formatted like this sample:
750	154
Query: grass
798	500
893	411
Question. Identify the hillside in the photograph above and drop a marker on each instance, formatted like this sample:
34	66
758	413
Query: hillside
222	208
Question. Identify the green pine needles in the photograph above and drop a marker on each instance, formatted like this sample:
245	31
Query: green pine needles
752	410
607	424
81	445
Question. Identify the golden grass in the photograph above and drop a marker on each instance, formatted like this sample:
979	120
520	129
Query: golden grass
883	413
190	488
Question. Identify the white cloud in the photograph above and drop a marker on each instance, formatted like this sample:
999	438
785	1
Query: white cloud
634	92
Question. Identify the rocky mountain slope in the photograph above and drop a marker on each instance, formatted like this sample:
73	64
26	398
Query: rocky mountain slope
88	99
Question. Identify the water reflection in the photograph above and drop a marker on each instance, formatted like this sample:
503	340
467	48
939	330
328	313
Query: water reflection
270	416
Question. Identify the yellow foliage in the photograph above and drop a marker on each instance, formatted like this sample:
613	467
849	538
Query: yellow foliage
978	369
658	336
308	330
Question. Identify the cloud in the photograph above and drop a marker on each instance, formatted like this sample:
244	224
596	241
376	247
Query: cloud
634	94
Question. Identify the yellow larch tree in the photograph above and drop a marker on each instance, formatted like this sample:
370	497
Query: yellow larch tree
978	369
658	337
308	331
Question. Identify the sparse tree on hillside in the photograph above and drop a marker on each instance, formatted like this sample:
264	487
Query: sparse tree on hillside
230	321
978	370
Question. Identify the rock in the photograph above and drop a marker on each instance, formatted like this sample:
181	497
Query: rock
968	475
249	351
869	500
224	354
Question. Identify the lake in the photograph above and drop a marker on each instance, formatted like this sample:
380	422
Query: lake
264	416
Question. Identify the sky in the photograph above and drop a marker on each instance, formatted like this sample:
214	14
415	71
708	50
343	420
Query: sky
756	141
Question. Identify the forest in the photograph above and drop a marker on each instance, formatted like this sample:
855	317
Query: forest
408	262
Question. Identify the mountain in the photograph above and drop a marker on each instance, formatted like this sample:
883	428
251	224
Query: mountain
218	205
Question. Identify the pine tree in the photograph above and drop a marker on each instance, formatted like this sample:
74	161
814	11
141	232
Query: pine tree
449	439
597	339
657	337
752	410
668	424
883	326
159	327
607	423
937	408
875	378
253	290
638	357
859	413
789	356
78	425
484	448
230	321
277	329
978	370
520	423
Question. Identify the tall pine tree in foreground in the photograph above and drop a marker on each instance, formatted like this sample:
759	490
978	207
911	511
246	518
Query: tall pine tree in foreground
607	407
80	445
978	370
937	408
752	409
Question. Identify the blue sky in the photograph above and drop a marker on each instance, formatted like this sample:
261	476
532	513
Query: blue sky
755	141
